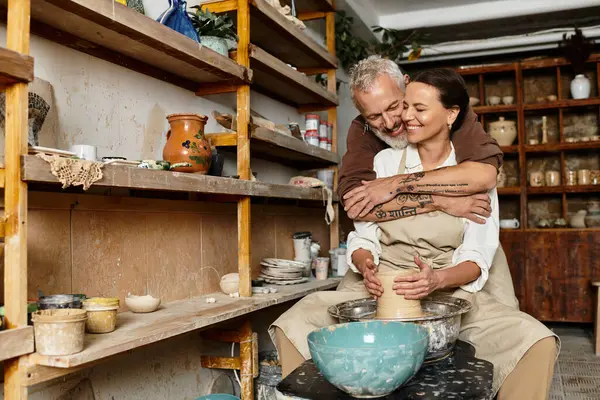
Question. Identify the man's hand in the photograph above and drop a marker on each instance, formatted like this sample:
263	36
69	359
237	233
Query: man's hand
360	201
466	206
419	285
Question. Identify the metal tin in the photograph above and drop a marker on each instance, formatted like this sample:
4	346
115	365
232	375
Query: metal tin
323	143
59	301
312	137
443	314
323	129
312	122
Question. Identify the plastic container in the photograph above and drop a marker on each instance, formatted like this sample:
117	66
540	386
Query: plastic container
323	143
326	176
323	130
322	268
102	314
312	137
342	264
59	332
302	242
60	301
311	122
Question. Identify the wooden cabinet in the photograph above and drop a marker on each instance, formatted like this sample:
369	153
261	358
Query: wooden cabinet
552	271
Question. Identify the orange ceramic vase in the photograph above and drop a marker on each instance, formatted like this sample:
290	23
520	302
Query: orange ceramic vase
186	143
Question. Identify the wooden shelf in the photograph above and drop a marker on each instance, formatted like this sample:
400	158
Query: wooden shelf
272	32
546	148
274	146
16	342
175	318
562	104
566	189
495	109
510	149
116	33
306	6
37	170
509	190
14	67
279	81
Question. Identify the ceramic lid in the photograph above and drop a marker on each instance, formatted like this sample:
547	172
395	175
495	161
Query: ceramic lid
502	122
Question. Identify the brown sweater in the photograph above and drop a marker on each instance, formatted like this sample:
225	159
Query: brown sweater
471	143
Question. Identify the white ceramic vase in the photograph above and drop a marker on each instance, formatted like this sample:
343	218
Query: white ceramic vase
504	131
580	87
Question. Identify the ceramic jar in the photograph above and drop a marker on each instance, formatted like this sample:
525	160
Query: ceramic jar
552	178
501	178
578	220
571	177
536	179
580	87
187	144
503	131
583	177
592	220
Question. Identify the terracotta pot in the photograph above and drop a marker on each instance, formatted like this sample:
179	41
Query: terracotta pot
186	143
503	131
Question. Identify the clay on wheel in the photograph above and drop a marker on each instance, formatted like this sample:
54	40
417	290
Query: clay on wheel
392	306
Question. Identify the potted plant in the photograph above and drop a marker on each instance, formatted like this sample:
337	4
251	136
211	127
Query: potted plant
213	30
577	49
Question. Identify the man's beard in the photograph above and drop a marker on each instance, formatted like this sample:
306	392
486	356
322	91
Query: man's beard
398	142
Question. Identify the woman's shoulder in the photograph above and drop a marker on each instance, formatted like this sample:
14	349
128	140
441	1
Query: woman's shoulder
386	162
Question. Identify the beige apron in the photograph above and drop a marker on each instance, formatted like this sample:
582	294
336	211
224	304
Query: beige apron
500	333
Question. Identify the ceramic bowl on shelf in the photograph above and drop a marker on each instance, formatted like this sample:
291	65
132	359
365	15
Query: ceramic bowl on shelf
508	100
493	100
369	359
592	219
230	283
142	304
540	99
473	101
551	97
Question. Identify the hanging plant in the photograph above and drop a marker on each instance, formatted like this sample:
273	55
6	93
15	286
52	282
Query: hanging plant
577	49
394	44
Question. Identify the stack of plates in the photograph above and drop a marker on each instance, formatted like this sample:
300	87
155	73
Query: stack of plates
282	272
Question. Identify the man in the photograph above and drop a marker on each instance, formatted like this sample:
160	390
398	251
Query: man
450	190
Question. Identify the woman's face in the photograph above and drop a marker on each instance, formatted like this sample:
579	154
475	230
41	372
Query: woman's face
424	115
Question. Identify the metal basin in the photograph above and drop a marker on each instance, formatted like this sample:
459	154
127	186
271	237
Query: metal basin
442	320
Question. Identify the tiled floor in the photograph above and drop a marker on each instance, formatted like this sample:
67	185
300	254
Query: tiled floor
577	373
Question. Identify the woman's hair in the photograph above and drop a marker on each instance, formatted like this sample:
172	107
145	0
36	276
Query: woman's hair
452	88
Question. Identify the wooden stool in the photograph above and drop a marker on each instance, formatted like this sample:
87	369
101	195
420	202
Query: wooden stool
597	321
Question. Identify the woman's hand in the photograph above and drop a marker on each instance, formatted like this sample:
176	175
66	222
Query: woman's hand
419	285
363	260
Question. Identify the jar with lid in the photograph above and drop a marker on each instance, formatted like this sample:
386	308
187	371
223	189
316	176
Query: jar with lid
312	137
312	122
323	128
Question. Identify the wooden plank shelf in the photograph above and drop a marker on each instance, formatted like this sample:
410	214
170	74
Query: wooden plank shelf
562	104
37	170
272	32
495	109
510	149
16	342
552	147
509	190
176	318
116	33
279	81
566	189
274	146
14	67
306	6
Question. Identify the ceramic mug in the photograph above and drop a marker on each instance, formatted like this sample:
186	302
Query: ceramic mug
321	268
84	151
583	177
536	179
509	223
552	178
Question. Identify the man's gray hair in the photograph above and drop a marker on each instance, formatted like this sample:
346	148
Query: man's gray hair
364	73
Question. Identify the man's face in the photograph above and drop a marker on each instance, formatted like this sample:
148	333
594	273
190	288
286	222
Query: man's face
382	109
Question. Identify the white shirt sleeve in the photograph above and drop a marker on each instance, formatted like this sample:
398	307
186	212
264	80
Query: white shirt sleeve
366	234
480	242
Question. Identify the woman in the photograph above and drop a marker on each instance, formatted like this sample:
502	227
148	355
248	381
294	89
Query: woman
452	253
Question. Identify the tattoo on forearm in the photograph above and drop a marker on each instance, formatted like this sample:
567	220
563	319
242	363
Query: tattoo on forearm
410	178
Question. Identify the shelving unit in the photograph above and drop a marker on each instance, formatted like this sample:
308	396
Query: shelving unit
108	30
548	284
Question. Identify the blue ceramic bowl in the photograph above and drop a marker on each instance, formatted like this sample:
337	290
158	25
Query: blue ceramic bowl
369	359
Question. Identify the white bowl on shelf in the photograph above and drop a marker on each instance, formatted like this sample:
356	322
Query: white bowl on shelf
142	304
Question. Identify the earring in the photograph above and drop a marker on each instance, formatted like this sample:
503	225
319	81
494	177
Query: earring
449	127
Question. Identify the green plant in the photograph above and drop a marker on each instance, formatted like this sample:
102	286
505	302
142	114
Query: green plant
209	24
351	49
577	49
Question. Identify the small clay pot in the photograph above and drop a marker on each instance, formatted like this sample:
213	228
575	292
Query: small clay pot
187	145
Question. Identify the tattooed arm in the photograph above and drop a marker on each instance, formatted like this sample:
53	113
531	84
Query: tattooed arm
404	205
461	180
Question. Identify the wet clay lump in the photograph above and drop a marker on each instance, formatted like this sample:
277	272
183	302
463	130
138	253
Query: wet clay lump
392	306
